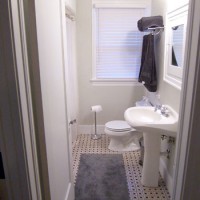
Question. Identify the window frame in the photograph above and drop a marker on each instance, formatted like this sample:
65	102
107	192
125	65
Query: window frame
119	81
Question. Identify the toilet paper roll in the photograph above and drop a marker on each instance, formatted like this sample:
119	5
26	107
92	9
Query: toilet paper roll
97	108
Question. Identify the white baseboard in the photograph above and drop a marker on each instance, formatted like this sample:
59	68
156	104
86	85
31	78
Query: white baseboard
89	129
70	192
166	176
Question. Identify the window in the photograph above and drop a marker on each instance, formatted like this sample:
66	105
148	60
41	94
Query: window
117	43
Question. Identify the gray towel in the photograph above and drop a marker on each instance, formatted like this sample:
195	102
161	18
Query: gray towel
147	73
150	22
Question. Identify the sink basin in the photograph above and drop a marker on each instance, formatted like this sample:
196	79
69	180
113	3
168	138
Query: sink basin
146	119
153	125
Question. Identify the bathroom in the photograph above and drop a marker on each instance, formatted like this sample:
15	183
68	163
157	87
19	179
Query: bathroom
63	45
115	96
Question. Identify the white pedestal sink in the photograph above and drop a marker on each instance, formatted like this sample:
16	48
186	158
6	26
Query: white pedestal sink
150	171
152	124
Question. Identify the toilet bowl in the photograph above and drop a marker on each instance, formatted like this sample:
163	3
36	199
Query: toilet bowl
122	136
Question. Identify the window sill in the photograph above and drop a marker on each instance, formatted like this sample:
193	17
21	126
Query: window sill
115	82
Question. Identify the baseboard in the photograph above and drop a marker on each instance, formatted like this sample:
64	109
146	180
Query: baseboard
70	192
166	176
89	129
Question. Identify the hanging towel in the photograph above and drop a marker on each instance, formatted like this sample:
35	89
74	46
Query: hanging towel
150	22
147	74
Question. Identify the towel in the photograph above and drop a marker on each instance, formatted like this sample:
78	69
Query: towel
147	73
150	22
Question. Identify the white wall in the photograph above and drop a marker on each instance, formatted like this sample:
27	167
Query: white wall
48	21
114	99
168	94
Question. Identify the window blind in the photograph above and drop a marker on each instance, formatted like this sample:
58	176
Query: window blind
118	43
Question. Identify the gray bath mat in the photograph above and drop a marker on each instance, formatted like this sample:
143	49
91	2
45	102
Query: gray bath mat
101	177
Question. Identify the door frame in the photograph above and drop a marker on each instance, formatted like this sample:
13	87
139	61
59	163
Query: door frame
189	125
187	162
65	18
69	55
22	151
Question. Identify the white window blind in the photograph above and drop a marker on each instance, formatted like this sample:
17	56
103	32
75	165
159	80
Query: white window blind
118	43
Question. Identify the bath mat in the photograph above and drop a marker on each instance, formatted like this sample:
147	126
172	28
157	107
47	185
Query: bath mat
101	177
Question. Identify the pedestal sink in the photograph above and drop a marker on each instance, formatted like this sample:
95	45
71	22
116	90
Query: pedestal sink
153	124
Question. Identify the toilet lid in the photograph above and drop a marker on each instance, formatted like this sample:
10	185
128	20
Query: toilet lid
118	125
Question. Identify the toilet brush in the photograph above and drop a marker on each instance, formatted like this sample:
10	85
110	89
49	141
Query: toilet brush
96	109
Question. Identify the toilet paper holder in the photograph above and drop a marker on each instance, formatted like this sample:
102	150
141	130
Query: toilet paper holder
96	109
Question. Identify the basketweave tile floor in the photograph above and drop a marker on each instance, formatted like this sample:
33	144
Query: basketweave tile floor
84	144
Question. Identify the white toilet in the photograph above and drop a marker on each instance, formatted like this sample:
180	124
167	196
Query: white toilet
122	136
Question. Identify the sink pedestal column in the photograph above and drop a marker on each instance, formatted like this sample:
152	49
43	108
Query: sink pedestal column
150	171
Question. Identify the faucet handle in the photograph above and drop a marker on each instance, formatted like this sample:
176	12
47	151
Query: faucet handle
157	107
164	111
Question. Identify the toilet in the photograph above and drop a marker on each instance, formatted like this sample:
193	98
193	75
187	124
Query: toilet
122	136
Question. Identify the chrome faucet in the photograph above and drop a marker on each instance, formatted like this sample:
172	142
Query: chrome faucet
157	107
163	110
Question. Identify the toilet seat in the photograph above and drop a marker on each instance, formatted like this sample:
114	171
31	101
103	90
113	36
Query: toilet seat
118	126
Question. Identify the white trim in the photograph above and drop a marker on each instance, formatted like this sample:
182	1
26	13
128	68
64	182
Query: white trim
187	132
70	192
94	28
115	82
64	18
166	176
122	2
179	10
120	5
25	96
172	74
88	129
173	81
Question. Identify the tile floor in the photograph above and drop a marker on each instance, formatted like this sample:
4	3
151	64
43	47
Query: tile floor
84	144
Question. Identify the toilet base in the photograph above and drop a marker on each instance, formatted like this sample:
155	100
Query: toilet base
123	144
122	136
